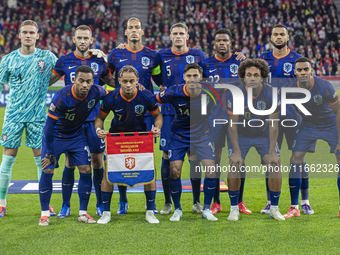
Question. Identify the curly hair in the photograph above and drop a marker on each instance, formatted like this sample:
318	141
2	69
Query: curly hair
258	63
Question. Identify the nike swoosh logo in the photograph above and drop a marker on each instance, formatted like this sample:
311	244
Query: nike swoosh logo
119	110
174	192
181	104
211	188
233	196
88	193
70	110
276	196
166	178
42	192
102	147
210	71
166	61
151	200
70	67
121	60
105	202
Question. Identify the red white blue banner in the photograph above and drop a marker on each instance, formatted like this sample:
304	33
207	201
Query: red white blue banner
130	158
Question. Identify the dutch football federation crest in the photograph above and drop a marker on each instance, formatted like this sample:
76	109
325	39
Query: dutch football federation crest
145	61
91	103
233	68
94	67
139	109
317	99
190	59
287	68
261	105
41	65
130	163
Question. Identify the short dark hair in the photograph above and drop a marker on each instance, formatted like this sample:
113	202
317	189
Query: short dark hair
134	18
280	25
193	66
258	63
303	59
128	69
223	31
84	69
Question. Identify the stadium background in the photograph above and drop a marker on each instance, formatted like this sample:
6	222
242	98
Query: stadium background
314	32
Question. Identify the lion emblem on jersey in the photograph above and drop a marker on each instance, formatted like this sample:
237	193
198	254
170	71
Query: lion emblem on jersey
41	64
287	67
190	59
261	105
233	68
145	61
91	103
139	109
317	99
94	67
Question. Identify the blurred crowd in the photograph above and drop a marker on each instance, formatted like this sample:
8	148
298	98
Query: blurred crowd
313	25
57	21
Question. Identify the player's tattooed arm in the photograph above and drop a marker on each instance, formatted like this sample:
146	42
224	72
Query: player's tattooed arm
336	109
235	159
53	78
158	117
98	125
110	81
274	158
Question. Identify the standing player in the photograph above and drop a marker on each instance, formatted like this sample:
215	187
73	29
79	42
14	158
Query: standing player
323	123
146	62
252	74
27	71
66	65
281	64
64	133
173	62
222	68
190	133
124	102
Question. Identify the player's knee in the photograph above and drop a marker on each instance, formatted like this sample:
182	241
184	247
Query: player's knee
296	158
97	162
175	173
48	171
86	169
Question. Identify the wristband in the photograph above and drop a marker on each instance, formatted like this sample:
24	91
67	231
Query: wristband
97	130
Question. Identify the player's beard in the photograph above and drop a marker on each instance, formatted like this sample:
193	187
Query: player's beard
84	50
279	46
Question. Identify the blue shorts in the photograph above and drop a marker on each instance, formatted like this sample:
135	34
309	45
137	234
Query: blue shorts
306	138
149	121
77	150
289	132
165	132
203	148
96	145
218	134
261	145
12	133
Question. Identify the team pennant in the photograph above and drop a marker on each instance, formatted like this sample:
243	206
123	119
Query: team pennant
130	158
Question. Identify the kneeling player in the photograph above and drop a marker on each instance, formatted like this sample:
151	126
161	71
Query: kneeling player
189	132
323	123
64	133
123	103
242	137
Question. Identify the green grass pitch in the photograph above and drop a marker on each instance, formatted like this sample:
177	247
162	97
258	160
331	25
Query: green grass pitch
131	234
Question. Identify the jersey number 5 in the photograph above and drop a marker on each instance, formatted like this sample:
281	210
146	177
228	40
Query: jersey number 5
168	71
